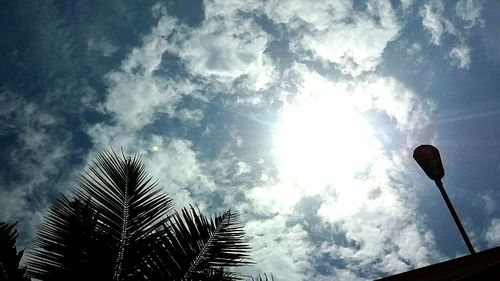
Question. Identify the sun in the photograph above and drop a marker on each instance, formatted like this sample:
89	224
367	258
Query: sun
321	139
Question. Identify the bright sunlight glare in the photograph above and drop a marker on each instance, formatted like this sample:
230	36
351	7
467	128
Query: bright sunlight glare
323	139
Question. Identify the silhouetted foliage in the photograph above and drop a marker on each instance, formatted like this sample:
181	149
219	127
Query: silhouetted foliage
263	277
190	244
118	227
9	257
72	244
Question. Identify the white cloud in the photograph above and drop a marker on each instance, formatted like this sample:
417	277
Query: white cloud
345	275
100	45
488	203
137	100
137	96
13	204
316	13
279	248
384	228
354	41
193	116
406	4
226	52
436	23
40	150
369	209
225	48
275	198
392	98
178	171
373	212
414	49
174	165
243	168
146	58
492	235
433	20
108	136
469	11
460	56
383	94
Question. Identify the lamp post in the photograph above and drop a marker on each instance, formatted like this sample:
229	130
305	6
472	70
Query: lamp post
427	157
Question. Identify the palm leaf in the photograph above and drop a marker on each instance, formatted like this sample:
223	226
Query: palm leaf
9	257
130	203
263	277
212	274
124	210
193	247
117	228
71	244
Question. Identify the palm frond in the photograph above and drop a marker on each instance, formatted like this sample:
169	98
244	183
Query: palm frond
117	228
263	277
212	274
71	244
123	208
129	202
191	244
9	257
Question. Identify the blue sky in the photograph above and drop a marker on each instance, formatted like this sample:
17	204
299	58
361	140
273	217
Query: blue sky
301	115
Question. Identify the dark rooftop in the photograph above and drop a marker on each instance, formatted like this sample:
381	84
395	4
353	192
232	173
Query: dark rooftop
482	266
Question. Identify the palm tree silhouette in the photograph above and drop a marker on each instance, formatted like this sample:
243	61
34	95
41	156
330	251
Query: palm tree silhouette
119	226
9	256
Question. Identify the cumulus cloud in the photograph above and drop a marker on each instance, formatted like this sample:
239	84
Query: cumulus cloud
102	46
414	49
228	48
406	4
137	100
136	95
37	140
279	248
378	217
437	23
469	11
228	45
174	165
362	202
203	154
488	203
492	235
275	198
460	56
364	205
434	21
193	116
372	92
334	32
293	12
38	151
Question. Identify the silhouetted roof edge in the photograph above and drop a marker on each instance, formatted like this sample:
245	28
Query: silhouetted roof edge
483	266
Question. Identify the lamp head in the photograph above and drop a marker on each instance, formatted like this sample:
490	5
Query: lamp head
427	157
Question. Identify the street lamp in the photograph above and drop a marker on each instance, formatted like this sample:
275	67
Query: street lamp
427	157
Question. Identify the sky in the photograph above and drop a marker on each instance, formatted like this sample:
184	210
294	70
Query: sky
300	115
